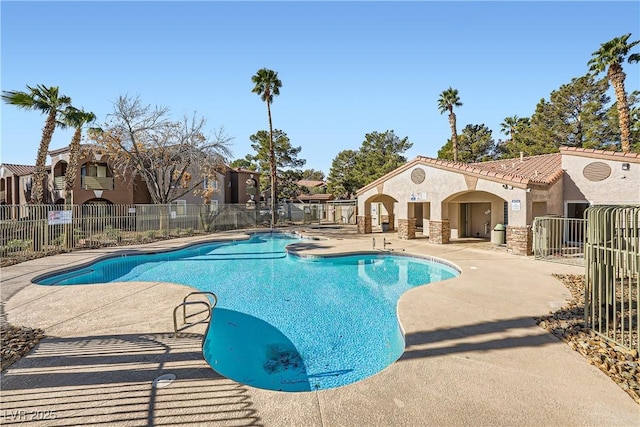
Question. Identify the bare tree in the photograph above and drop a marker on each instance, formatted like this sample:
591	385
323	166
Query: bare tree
172	157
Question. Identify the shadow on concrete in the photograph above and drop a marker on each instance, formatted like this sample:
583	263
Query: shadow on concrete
109	380
468	338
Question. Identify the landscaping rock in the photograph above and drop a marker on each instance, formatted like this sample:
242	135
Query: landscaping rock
17	341
568	324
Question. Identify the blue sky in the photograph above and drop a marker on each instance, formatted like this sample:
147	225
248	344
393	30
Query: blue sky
347	68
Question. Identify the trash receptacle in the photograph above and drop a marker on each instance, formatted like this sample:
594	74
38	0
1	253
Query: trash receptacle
385	227
498	234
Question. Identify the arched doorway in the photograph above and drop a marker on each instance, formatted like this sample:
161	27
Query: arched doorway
474	214
381	211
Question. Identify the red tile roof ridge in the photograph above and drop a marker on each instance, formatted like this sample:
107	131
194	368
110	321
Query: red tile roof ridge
484	168
601	154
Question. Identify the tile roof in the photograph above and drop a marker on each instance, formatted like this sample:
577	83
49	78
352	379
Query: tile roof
19	170
601	154
544	169
241	170
59	150
318	197
311	183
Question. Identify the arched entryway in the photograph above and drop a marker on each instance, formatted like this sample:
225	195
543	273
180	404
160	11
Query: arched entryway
474	214
378	214
59	173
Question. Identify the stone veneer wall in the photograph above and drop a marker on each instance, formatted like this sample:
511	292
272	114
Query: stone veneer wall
520	240
389	219
439	232
364	224
407	228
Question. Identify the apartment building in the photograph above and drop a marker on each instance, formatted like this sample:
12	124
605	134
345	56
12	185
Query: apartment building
96	183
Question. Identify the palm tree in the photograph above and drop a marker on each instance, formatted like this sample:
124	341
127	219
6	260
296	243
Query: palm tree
77	119
267	85
610	57
48	101
510	126
449	99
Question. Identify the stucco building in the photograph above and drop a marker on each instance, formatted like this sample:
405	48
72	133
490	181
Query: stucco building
15	184
447	200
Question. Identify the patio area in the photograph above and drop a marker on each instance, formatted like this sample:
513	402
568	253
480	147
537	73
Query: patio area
474	354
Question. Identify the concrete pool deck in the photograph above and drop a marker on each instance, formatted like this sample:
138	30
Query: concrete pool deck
474	355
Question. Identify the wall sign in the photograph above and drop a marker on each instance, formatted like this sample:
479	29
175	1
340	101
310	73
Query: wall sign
60	217
515	205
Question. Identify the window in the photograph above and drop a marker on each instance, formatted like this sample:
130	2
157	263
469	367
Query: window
210	184
505	221
95	170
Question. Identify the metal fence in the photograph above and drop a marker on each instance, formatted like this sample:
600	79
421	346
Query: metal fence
612	253
559	239
28	230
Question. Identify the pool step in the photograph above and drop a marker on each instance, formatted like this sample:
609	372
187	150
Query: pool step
206	306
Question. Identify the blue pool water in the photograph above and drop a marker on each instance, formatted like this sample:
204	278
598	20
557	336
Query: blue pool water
283	322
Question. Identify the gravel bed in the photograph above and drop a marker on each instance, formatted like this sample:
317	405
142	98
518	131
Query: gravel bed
17	341
568	324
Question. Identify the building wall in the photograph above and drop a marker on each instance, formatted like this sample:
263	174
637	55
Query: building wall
125	191
444	190
241	192
619	188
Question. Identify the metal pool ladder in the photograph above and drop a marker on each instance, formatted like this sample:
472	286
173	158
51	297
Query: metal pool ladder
205	307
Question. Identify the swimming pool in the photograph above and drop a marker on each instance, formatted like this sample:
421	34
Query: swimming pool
284	322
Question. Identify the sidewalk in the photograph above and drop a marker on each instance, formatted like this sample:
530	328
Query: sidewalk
474	355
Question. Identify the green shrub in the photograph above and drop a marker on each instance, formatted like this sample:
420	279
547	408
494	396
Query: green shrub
15	245
112	233
59	241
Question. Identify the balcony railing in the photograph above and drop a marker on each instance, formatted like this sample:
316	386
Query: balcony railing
58	183
97	183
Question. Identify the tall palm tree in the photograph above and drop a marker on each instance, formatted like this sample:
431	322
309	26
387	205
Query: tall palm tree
267	85
448	99
610	57
77	119
48	101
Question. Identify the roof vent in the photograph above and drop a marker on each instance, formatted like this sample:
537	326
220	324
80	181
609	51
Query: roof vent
596	171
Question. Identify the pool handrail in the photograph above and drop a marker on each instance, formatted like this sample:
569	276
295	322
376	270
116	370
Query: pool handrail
209	306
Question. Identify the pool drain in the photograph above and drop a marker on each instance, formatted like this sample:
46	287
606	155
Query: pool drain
164	380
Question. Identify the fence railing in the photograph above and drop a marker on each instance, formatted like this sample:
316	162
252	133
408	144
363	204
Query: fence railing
559	239
96	183
26	230
612	254
58	183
